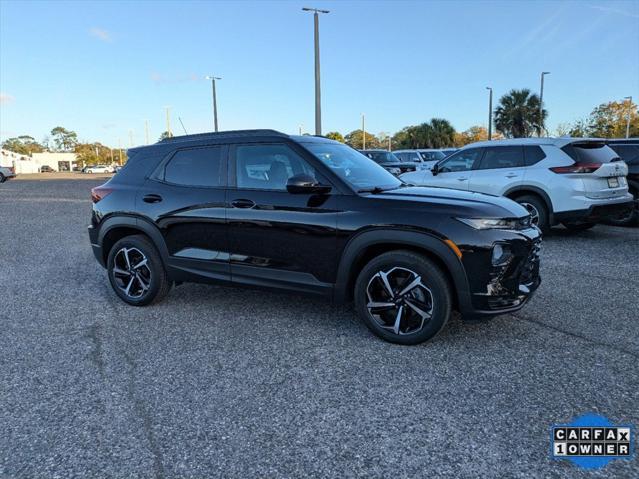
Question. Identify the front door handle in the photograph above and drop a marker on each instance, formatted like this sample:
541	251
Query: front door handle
152	198
462	179
242	203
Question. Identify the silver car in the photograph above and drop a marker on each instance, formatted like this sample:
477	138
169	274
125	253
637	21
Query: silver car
6	172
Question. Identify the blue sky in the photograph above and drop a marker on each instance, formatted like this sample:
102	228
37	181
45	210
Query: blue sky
102	68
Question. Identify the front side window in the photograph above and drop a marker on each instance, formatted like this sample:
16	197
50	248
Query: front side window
352	167
195	167
268	167
502	157
464	160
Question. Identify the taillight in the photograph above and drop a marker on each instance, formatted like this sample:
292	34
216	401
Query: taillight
577	168
100	192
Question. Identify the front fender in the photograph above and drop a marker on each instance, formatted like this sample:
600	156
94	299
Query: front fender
430	244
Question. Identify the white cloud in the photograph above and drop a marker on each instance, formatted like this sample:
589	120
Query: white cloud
615	10
101	34
5	98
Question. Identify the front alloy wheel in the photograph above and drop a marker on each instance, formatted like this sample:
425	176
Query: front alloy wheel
403	297
399	301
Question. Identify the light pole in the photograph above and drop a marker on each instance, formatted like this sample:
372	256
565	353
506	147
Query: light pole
146	131
363	132
168	121
541	103
213	78
318	94
629	98
490	113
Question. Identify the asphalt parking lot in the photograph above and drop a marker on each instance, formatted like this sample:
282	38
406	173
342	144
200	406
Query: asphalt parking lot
233	383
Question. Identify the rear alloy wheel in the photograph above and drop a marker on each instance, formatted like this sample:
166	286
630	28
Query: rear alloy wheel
537	210
403	297
136	271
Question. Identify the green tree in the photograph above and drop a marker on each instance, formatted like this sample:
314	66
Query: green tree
86	154
64	140
335	135
609	120
437	133
165	135
24	145
355	140
517	115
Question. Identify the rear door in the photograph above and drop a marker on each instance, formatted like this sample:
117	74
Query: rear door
455	171
501	168
185	198
600	168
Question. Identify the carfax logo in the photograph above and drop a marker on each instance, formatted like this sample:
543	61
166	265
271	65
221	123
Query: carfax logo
591	441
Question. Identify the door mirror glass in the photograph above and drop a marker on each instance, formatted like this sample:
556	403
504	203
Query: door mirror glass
305	184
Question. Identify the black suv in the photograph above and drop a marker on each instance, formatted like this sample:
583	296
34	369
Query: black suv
307	214
628	151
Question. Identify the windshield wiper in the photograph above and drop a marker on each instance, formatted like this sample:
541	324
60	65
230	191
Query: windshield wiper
375	190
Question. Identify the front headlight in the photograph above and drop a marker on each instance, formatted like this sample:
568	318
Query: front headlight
491	223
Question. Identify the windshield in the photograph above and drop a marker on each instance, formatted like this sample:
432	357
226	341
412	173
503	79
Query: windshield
381	156
353	167
432	155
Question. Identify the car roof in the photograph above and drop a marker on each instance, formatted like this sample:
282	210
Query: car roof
558	142
376	150
232	135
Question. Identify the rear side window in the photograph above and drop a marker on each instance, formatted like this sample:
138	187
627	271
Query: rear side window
590	152
628	153
533	155
195	167
502	157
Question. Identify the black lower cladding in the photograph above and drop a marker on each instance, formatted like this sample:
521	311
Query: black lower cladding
596	213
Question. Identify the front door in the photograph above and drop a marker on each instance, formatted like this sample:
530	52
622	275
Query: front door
455	171
277	238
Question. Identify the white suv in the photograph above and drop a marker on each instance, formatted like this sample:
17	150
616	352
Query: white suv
574	181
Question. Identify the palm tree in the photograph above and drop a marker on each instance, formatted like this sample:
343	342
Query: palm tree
517	115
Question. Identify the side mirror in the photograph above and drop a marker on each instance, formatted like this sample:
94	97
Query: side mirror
304	184
435	169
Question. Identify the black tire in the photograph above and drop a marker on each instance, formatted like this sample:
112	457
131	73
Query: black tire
630	220
537	208
578	226
2	178
397	263
153	273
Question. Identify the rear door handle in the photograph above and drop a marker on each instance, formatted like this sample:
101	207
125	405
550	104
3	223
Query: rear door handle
462	179
152	198
242	203
511	175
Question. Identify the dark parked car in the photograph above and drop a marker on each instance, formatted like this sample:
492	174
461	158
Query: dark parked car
389	161
628	151
46	169
311	215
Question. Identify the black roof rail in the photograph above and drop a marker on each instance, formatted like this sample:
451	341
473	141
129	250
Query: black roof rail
223	134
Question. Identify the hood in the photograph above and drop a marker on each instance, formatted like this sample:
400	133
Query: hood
478	204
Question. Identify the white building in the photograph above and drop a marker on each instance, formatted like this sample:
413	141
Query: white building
33	163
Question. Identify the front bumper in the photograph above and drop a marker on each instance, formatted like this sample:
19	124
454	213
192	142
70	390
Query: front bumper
504	285
596	213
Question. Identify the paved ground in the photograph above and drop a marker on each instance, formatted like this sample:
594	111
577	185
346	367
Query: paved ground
232	383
